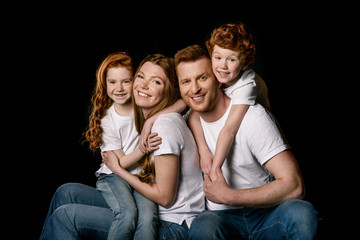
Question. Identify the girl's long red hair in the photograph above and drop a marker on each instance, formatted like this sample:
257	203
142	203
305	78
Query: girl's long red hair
100	100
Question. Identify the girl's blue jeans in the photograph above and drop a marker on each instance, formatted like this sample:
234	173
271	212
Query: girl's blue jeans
292	219
135	216
77	211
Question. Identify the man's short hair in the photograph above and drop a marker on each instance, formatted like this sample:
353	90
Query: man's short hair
190	54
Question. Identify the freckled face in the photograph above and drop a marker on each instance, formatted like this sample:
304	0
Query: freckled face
226	65
149	86
119	85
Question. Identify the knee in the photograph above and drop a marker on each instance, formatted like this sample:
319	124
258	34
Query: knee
300	216
147	218
207	225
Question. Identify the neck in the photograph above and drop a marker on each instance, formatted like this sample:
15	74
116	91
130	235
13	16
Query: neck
124	109
218	110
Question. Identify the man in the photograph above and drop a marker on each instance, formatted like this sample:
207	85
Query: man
259	189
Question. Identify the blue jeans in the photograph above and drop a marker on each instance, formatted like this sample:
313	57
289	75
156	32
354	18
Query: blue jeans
292	219
77	211
173	231
125	202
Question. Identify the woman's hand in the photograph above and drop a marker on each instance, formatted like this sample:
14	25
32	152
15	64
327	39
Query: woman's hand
110	160
145	134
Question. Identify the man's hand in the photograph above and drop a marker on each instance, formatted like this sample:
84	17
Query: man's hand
215	191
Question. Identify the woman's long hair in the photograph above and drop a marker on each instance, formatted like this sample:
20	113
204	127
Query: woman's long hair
100	100
171	95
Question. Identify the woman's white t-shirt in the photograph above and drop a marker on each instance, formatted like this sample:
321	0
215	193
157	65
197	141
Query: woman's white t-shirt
258	139
178	140
119	132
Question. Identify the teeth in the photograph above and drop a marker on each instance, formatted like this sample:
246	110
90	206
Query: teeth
142	94
197	98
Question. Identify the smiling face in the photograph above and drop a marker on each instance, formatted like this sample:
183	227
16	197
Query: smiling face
198	85
149	86
226	65
119	85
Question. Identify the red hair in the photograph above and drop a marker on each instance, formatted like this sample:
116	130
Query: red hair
234	36
100	100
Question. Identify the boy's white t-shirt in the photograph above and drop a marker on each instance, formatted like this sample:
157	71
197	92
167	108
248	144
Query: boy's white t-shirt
178	140
257	140
250	88
119	132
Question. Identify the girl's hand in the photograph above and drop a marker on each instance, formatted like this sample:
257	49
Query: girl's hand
153	142
145	133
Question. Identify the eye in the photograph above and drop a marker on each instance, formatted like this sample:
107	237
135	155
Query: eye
184	82
203	77
217	57
140	76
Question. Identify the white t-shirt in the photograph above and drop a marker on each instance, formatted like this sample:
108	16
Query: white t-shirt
257	140
250	88
178	140
119	133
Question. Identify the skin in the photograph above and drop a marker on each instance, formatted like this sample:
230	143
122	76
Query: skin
203	95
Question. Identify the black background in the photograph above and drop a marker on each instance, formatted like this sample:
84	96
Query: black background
55	50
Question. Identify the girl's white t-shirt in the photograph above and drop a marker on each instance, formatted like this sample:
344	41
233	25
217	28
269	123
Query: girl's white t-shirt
258	139
178	140
119	132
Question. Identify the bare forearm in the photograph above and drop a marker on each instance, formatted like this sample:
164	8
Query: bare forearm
268	195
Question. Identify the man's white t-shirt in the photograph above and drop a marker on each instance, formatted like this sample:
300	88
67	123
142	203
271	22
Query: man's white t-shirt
178	140
119	132
257	140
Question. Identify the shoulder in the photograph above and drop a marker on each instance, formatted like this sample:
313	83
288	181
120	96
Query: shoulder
169	121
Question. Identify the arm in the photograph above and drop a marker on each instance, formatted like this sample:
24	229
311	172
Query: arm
126	161
164	191
205	154
226	136
178	107
288	184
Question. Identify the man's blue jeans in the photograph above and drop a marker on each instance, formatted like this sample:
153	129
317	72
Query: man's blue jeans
292	219
135	216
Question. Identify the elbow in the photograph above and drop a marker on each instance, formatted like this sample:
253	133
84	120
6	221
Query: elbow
299	190
167	202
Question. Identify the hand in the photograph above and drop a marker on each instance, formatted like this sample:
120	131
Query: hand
153	142
206	159
213	172
144	136
216	190
110	160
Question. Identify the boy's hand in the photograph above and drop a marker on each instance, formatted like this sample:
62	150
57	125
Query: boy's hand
145	133
206	159
214	172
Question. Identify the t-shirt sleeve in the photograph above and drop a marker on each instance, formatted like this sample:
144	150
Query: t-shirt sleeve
245	94
111	139
266	139
171	138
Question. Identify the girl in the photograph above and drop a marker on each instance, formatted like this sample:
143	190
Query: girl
232	51
172	176
112	128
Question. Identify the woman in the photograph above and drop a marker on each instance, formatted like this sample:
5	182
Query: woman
173	180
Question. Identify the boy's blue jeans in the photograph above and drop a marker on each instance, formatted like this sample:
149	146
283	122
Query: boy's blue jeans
133	213
292	219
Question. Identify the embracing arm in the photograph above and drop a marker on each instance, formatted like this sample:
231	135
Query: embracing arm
164	191
227	135
288	184
206	157
178	107
127	161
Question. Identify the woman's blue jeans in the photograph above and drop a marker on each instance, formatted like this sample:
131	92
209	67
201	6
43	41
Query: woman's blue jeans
125	203
77	211
292	219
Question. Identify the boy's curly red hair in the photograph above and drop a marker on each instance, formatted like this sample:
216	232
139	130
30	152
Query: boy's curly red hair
234	36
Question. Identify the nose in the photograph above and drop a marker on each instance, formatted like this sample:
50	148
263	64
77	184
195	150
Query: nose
223	64
144	84
195	88
119	87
